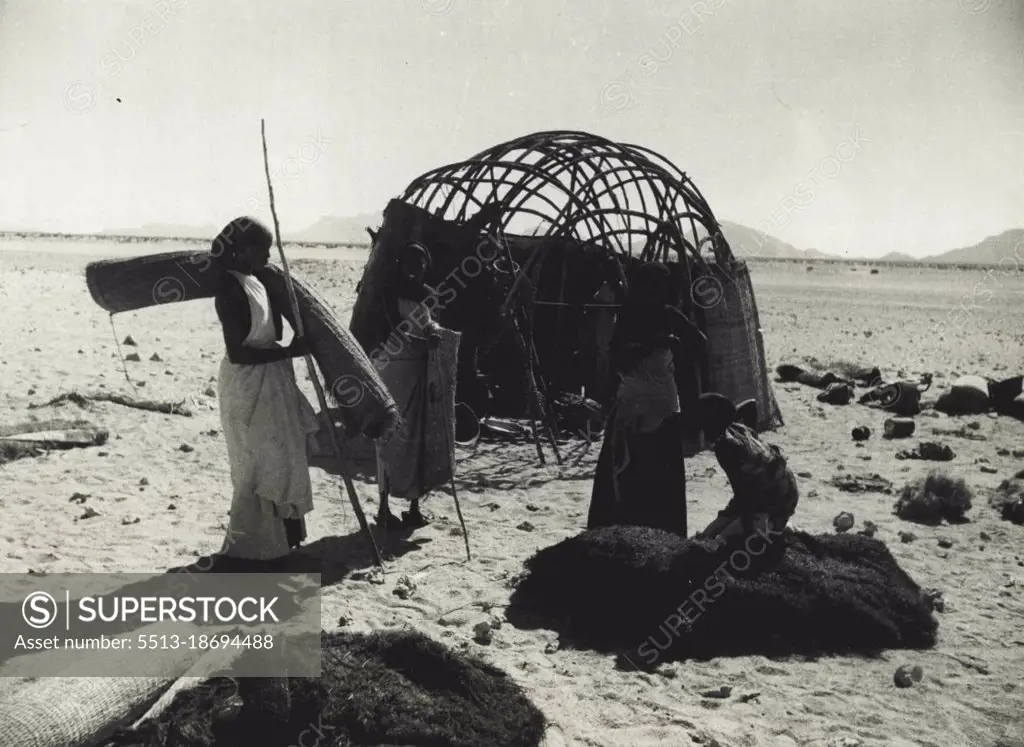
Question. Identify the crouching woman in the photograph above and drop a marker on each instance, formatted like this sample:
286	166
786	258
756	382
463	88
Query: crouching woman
764	489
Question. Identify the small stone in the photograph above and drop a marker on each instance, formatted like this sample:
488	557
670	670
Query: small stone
532	507
722	692
869	529
127	521
551	647
803	474
90	512
156	358
985	536
185	448
31	391
133	357
526	527
945	542
210	391
906	537
812	493
171	507
482	633
902	677
916	673
843	522
404	588
987	470
129	341
144	481
78	498
342	621
1003	452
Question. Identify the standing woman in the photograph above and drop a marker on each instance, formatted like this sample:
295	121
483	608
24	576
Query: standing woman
401	459
641	478
265	418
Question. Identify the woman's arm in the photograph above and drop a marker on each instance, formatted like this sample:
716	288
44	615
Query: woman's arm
233	311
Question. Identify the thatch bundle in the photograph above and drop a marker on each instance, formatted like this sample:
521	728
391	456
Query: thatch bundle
652	592
350	378
392	688
934	498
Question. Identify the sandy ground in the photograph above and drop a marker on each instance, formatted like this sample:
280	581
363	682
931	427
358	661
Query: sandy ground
56	340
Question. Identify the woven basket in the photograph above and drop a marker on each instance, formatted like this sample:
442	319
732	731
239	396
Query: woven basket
351	380
736	364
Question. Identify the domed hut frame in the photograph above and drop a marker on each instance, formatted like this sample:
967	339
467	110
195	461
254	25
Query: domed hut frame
568	213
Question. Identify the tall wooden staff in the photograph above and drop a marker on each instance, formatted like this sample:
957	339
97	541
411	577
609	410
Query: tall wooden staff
297	315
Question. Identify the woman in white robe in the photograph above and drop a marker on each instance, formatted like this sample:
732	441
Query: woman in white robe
266	420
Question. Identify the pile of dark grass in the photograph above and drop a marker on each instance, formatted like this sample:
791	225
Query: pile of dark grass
652	592
389	688
1008	498
934	498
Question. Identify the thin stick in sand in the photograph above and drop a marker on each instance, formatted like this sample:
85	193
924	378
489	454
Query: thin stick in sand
297	315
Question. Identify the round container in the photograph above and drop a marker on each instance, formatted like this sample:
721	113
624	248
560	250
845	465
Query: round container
899	427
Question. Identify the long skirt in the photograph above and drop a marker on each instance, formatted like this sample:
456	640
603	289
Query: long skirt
418	457
267	423
641	479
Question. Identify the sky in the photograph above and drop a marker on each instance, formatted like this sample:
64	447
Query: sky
860	127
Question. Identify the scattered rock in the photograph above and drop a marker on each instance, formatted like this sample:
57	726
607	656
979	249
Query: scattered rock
455	531
129	341
873	483
210	391
156	358
1019	453
902	677
127	521
804	474
404	588
342	621
906	537
78	498
812	493
987	470
985	536
934	599
945	542
90	512
185	448
532	507
843	522
213	433
551	647
526	526
1003	452
133	357
144	481
869	529
482	633
723	692
747	697
861	433
493	506
171	507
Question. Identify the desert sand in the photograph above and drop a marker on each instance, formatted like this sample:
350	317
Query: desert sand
157	506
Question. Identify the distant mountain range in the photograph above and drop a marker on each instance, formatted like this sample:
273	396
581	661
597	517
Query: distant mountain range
746	242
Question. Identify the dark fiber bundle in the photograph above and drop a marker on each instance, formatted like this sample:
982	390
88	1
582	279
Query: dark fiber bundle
655	595
934	498
386	688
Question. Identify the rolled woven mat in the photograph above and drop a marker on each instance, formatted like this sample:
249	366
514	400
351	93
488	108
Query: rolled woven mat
155	279
80	711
